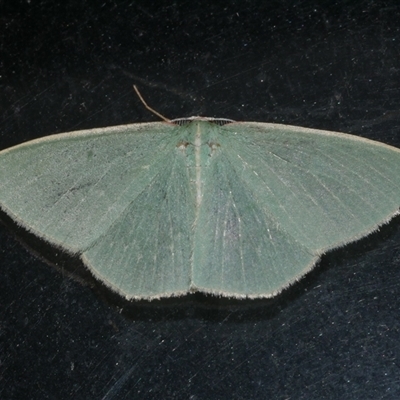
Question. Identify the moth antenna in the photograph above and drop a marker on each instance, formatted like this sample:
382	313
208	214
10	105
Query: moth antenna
148	107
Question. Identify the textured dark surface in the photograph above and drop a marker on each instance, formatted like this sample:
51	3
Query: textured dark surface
326	65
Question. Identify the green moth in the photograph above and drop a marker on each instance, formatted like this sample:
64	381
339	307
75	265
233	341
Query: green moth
240	209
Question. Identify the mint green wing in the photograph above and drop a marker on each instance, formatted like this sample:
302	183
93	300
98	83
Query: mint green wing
236	209
119	197
277	197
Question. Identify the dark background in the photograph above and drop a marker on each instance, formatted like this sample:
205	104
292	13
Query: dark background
320	64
